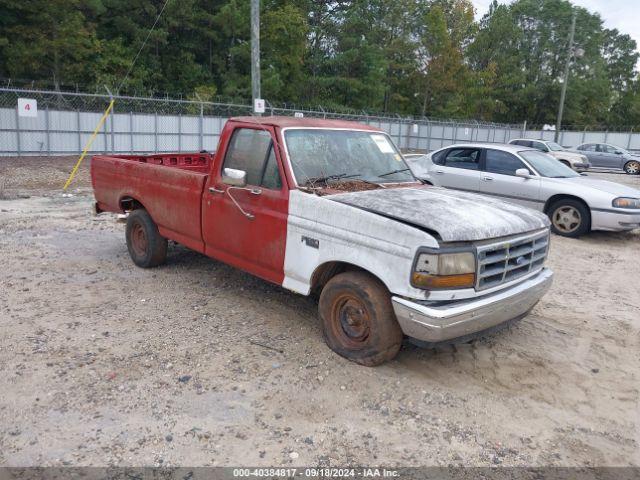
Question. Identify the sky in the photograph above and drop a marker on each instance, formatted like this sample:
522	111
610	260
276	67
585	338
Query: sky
620	14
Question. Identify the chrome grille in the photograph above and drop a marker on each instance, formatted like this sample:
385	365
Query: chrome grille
507	260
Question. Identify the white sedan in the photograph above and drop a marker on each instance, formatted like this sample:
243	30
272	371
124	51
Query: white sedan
575	203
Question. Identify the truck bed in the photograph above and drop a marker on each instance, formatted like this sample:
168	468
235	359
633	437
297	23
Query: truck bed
169	186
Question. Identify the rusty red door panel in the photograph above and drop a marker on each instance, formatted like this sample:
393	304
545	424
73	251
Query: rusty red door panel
255	245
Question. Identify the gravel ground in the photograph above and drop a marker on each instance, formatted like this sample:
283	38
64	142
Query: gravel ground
196	363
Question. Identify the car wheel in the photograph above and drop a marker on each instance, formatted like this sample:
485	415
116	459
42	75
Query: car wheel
146	246
569	218
358	321
632	167
565	163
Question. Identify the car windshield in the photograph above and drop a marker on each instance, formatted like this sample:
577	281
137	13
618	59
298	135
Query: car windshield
554	146
546	165
319	154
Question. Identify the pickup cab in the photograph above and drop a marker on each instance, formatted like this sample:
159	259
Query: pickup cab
330	208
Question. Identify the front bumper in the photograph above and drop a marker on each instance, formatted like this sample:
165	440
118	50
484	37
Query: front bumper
435	322
614	220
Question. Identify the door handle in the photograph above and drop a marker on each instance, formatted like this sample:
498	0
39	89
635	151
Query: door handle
215	190
487	179
439	172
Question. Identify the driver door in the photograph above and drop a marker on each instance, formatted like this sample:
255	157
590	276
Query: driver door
247	226
608	156
499	179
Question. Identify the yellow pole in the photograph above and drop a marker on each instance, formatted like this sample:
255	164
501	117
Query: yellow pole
88	146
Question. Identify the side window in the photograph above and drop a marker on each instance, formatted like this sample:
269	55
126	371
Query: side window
466	158
247	151
609	148
591	147
503	163
438	158
271	177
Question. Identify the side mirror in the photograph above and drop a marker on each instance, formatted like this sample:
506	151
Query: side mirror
618	152
233	177
523	173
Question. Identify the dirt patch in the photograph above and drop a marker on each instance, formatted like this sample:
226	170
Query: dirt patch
196	363
21	176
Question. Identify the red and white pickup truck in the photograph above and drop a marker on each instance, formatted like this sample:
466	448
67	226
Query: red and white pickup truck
330	207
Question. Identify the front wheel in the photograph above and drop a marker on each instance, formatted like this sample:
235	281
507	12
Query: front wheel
569	218
146	246
358	321
632	167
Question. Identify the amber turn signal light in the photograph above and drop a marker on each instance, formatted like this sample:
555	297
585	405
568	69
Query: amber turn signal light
423	280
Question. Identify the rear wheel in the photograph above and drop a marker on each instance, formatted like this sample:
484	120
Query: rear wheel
569	218
565	163
358	321
632	167
146	246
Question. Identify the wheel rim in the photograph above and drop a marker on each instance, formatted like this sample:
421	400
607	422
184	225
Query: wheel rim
350	320
567	219
633	168
139	241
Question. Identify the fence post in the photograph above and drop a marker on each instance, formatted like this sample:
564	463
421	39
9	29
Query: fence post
111	117
201	127
524	129
629	139
428	135
19	150
131	131
79	131
584	134
180	132
46	126
155	131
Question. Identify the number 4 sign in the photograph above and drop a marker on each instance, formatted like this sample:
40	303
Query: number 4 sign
27	107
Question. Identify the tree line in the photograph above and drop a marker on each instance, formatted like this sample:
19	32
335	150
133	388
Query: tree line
408	57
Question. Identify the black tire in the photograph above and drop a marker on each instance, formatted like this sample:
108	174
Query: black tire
566	164
146	246
562	212
632	167
358	321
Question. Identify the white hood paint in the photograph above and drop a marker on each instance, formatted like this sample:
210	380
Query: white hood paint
455	216
603	186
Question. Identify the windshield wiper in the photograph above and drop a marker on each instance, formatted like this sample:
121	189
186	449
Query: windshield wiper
395	171
326	178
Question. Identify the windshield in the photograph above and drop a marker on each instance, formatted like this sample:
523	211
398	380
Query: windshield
546	165
554	146
334	154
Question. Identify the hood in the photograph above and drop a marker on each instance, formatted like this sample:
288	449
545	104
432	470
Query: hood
604	186
455	216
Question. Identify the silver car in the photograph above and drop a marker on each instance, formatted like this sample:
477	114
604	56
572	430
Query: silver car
575	203
604	155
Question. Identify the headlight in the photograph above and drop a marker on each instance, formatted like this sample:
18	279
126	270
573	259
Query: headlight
624	202
444	270
584	159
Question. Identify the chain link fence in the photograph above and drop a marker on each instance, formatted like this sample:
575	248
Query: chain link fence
66	120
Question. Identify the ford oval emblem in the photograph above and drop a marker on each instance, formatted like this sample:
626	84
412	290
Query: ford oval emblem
521	260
